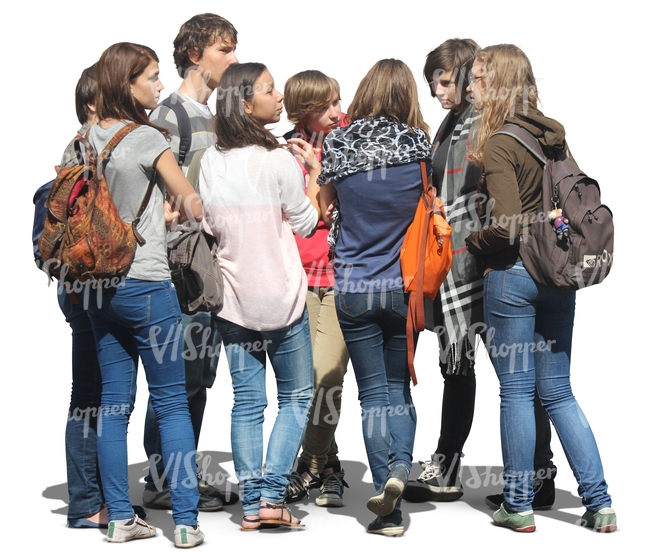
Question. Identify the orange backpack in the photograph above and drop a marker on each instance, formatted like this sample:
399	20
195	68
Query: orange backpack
425	259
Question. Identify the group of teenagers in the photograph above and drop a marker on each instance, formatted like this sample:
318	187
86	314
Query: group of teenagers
309	230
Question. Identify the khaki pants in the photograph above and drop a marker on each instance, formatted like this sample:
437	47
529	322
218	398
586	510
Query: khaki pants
330	364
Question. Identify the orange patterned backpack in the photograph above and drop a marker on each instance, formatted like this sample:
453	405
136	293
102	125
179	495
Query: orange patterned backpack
84	237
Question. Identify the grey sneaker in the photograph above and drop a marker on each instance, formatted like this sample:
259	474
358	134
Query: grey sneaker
161	500
186	536
602	521
434	484
384	502
331	489
227	497
135	528
389	526
522	522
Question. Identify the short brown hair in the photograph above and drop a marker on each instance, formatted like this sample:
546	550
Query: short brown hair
85	93
197	34
308	92
457	55
388	90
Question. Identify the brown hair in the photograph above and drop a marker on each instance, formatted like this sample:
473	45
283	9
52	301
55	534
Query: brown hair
85	93
234	127
117	69
510	86
198	33
388	90
308	92
456	55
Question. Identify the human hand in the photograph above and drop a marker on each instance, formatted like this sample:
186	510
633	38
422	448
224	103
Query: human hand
172	215
304	151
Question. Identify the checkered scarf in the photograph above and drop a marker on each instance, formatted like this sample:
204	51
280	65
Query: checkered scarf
461	294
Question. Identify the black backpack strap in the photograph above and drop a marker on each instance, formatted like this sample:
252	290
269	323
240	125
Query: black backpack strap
526	139
184	126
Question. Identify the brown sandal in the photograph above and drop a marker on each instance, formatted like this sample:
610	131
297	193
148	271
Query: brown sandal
279	521
250	523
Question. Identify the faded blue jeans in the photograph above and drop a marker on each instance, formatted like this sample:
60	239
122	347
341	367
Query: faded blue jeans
289	351
141	320
374	328
84	484
529	333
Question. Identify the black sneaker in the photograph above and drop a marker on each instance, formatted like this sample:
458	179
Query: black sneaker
299	484
161	500
331	488
227	498
436	483
389	526
544	490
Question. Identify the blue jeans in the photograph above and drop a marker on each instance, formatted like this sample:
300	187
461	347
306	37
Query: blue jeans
530	328
201	347
141	320
374	328
84	485
289	351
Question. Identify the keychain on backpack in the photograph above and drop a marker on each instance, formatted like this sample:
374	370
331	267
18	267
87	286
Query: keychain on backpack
560	223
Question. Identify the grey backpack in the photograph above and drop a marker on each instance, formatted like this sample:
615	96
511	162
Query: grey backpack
193	261
577	250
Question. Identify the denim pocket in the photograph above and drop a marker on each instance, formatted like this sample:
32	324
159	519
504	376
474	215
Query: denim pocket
399	303
354	304
518	287
131	305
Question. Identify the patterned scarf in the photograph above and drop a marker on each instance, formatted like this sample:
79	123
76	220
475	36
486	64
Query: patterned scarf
461	294
366	145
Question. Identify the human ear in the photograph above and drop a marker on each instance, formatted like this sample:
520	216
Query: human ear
248	108
194	55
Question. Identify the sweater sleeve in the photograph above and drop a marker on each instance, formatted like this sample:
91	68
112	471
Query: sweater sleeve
503	210
296	207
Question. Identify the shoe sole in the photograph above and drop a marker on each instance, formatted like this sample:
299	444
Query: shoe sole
384	504
416	491
189	544
527	529
333	502
389	531
602	529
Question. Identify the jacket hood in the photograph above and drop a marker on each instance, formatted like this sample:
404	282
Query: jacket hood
549	132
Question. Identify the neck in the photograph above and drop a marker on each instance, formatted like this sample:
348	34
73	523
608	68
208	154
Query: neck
195	87
316	138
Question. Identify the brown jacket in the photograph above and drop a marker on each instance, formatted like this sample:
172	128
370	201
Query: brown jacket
513	184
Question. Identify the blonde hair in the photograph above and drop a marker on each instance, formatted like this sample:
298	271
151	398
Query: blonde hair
510	86
388	90
308	92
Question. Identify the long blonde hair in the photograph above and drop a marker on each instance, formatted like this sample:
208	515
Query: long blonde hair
388	90
510	87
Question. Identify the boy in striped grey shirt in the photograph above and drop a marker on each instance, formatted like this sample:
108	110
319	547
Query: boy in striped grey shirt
203	49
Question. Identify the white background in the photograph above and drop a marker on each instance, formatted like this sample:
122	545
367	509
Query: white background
590	67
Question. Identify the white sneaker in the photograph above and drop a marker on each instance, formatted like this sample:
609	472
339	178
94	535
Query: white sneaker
135	528
186	536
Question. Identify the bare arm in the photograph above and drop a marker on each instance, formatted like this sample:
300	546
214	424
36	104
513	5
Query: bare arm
178	187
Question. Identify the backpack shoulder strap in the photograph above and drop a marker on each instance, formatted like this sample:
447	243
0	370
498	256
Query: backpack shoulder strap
194	169
526	139
184	126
